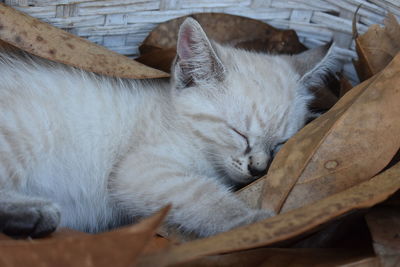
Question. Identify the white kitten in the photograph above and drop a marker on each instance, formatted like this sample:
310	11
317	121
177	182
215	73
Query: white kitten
90	152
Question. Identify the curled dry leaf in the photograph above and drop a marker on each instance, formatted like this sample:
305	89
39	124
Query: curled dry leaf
349	144
229	29
121	247
251	194
158	49
283	226
44	40
377	47
65	232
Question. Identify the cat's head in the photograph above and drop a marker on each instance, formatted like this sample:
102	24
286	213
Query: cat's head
241	106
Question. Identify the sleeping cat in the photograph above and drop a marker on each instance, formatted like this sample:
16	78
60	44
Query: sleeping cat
89	152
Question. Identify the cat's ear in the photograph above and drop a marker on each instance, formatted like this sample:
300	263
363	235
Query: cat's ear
315	65
196	60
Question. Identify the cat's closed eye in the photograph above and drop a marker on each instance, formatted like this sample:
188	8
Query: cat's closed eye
248	148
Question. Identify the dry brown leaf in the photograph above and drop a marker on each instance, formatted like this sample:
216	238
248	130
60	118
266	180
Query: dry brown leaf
284	226
116	248
44	40
349	144
283	257
229	29
251	194
393	29
65	233
377	47
158	49
156	243
384	225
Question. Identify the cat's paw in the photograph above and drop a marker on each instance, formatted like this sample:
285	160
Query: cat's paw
35	220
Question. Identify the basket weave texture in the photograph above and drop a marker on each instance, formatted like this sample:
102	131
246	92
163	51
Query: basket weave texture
121	25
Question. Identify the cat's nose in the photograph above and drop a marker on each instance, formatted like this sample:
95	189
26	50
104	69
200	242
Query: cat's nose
258	164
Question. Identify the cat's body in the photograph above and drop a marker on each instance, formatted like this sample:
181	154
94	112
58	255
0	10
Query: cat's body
67	135
101	152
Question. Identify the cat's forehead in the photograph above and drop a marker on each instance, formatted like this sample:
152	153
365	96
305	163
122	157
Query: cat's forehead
259	79
260	90
259	74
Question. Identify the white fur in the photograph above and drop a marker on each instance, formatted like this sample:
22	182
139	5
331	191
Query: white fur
107	150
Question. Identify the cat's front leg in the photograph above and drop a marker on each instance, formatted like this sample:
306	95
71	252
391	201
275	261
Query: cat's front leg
199	205
208	208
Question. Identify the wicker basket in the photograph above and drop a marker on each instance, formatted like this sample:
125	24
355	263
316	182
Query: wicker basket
121	25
